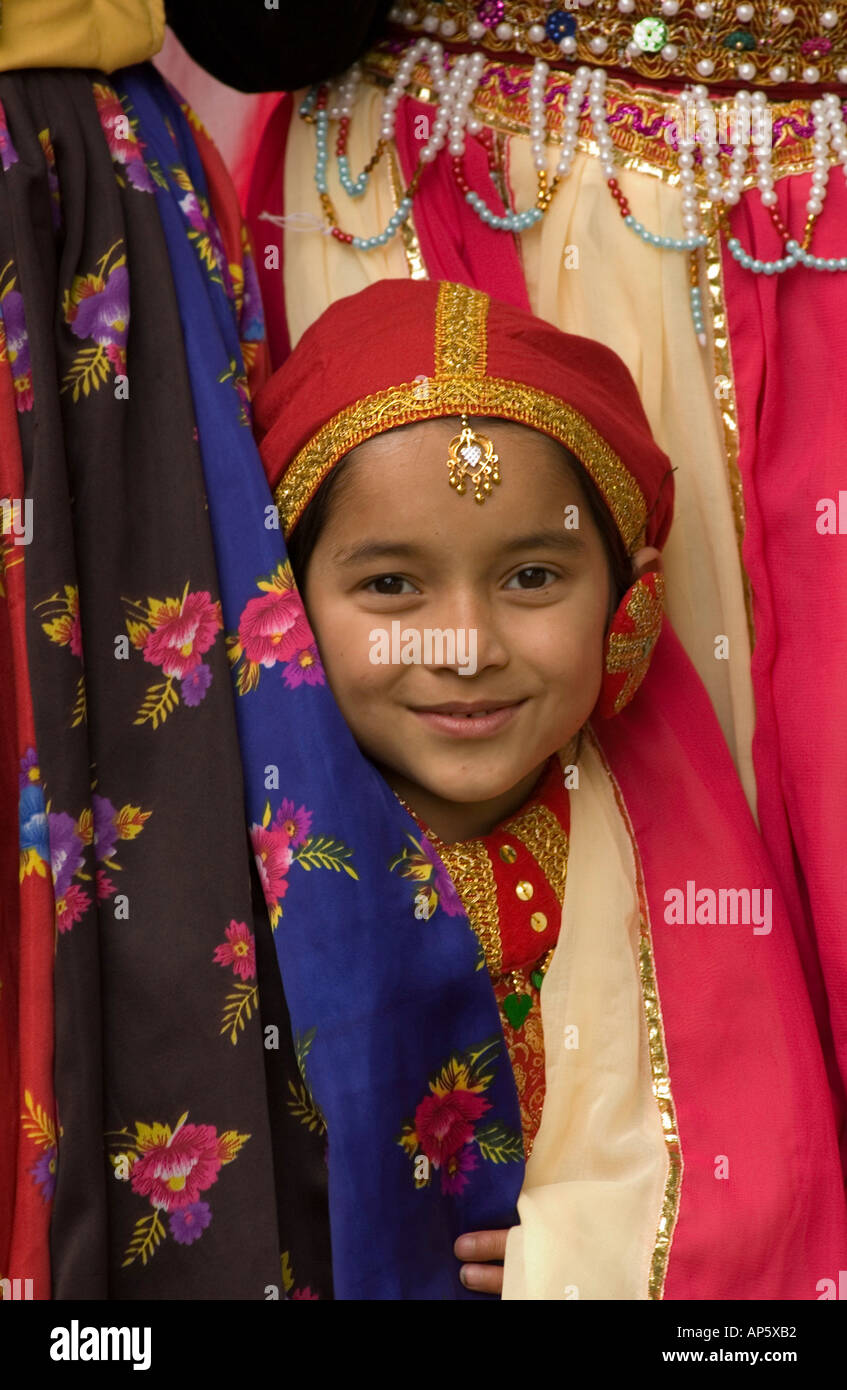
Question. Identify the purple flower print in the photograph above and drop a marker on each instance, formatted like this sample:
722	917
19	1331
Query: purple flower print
188	1223
252	320
192	211
448	898
43	1173
17	340
304	668
29	771
65	850
103	315
105	828
296	823
195	684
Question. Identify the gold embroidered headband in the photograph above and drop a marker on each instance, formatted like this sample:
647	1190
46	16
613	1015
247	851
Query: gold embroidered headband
459	386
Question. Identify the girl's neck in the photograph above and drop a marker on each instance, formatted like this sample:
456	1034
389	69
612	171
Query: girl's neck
453	821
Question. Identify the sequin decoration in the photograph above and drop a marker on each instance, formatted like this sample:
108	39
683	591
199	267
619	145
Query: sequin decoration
490	12
650	34
560	25
740	40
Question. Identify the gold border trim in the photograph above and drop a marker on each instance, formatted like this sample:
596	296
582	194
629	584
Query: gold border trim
492	396
461	336
692	38
411	241
658	1057
728	405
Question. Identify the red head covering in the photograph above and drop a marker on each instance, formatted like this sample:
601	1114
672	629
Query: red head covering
405	350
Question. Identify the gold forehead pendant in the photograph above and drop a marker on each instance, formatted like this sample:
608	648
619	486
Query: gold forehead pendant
472	456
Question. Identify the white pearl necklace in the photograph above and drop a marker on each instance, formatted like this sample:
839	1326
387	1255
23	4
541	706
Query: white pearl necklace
455	91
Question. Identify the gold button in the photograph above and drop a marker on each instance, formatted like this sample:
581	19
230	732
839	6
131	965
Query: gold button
524	890
538	921
508	854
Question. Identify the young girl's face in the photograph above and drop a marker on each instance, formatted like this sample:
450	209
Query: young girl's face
400	546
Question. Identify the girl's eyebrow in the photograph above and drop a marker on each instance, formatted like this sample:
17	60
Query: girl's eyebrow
546	539
555	537
376	550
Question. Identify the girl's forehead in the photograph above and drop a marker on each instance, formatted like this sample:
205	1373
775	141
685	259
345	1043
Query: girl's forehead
416	457
396	491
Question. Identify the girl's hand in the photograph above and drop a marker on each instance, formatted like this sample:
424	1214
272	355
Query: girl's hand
479	1246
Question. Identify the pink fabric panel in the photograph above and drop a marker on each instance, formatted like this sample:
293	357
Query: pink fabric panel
266	195
790	359
746	1068
455	244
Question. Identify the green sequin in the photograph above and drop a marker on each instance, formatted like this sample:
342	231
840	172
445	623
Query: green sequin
740	39
650	34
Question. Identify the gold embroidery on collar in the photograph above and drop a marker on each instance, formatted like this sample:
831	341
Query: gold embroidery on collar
541	833
475	395
470	868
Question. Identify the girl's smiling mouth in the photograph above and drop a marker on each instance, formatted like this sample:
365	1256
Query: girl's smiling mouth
469	719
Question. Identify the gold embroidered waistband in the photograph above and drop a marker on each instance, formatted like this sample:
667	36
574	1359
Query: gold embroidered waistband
642	121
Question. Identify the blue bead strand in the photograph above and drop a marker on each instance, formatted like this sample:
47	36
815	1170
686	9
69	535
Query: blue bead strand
396	219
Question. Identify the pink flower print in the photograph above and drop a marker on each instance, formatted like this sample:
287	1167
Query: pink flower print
296	824
305	668
453	1173
105	886
8	153
174	1169
71	906
239	950
188	1223
306	1294
274	627
445	1123
124	148
448	898
182	631
273	860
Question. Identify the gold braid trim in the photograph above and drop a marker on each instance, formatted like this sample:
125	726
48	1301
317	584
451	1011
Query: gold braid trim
471	871
461	338
477	395
540	832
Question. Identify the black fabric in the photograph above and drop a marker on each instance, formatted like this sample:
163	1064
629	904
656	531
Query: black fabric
258	50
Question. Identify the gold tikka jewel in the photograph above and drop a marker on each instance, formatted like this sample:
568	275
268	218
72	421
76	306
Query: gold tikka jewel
472	456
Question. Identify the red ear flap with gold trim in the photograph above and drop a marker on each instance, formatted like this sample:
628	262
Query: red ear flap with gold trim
630	641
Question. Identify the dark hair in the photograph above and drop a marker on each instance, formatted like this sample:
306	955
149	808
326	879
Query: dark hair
308	529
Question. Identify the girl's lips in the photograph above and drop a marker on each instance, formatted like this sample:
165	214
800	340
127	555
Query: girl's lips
460	726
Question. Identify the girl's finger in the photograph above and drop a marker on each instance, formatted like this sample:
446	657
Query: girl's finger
482	1278
481	1245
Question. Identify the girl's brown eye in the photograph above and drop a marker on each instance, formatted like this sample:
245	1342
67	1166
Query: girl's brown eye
389	584
532	577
